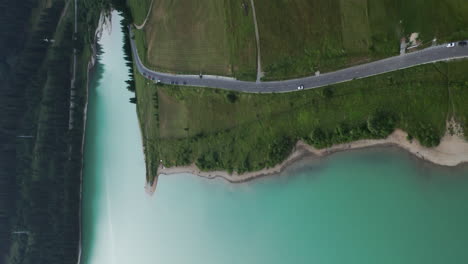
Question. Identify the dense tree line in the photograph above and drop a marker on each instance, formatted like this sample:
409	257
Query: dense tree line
44	210
379	125
40	157
40	172
234	149
127	21
20	52
14	19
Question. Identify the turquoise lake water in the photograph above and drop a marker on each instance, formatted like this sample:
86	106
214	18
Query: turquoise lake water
370	206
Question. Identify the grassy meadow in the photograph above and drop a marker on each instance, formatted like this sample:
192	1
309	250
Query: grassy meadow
139	9
457	73
300	37
193	36
220	129
297	37
148	116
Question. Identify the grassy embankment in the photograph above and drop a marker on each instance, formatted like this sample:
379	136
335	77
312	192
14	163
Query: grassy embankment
300	37
458	84
212	37
241	132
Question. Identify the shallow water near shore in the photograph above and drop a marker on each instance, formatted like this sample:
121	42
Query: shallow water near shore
377	205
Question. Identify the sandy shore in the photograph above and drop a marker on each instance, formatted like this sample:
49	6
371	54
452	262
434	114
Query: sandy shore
453	150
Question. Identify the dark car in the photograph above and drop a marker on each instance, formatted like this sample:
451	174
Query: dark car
177	83
172	82
184	82
462	43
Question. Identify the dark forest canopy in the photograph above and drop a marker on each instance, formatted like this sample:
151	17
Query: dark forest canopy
40	158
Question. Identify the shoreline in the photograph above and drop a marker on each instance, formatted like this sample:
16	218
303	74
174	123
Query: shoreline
90	67
452	151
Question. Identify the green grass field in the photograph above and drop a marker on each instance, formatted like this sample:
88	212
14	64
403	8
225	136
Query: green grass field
459	92
188	36
242	132
139	9
241	39
212	37
147	109
297	37
300	37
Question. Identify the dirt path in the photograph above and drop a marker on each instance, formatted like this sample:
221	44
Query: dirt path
146	19
257	36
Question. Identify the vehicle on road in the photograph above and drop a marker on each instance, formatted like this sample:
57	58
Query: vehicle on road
172	82
184	82
437	53
462	43
451	45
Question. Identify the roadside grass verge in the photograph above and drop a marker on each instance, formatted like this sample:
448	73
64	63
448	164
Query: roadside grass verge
300	37
232	131
147	109
142	46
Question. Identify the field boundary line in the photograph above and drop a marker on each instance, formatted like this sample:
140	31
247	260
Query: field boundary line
146	18
257	36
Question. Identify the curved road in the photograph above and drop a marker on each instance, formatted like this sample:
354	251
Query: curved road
432	54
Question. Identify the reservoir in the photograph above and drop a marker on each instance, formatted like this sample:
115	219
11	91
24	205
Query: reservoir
368	206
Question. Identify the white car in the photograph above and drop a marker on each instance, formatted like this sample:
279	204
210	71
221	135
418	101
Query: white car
300	87
451	45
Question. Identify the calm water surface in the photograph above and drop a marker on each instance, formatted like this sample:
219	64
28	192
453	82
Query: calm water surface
373	206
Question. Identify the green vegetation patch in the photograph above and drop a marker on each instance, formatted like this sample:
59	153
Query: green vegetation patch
300	37
220	129
188	36
241	39
211	37
139	9
459	93
355	26
148	115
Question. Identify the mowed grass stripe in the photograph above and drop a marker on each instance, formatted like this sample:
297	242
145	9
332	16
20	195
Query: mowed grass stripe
355	25
188	36
299	37
212	37
139	9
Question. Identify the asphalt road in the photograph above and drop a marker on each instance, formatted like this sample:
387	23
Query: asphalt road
429	55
